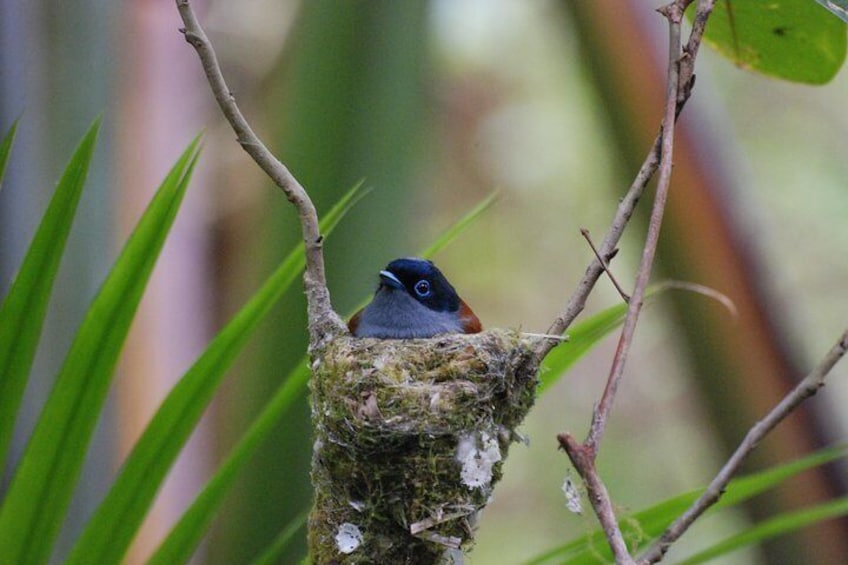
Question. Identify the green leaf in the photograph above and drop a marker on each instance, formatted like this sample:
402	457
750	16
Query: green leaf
274	552
44	481
187	533
23	310
582	337
771	528
646	525
791	39
5	150
585	334
459	227
116	521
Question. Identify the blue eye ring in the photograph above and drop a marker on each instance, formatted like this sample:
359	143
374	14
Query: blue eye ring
422	288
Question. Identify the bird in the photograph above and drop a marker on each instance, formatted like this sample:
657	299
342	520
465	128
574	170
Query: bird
414	300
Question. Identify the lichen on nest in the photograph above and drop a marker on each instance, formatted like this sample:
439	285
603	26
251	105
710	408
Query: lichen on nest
410	439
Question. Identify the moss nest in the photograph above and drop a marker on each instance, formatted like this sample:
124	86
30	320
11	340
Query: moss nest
410	439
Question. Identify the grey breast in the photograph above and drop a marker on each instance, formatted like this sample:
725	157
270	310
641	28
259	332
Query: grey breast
394	314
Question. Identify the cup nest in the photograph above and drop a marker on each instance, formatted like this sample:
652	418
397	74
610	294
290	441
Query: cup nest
411	436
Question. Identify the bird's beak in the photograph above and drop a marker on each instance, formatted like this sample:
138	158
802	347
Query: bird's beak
389	279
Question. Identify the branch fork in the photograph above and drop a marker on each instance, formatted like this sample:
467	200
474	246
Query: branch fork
324	322
681	80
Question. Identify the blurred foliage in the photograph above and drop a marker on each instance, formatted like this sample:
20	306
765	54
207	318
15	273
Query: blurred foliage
155	452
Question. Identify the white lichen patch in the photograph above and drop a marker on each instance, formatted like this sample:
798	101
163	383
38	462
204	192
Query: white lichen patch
478	456
572	496
348	538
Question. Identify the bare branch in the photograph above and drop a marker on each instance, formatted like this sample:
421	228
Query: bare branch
577	302
605	264
584	462
323	321
809	386
674	13
583	455
626	206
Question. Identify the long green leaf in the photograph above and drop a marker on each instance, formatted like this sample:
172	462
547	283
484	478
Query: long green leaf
187	533
648	524
23	310
585	334
274	551
6	149
771	528
460	226
582	337
44	481
116	521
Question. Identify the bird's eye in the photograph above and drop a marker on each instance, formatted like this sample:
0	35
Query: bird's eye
422	288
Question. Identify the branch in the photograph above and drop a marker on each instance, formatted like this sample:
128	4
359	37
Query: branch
577	302
604	264
678	89
674	13
584	461
802	391
323	321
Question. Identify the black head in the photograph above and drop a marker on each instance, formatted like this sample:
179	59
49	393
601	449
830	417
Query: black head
422	281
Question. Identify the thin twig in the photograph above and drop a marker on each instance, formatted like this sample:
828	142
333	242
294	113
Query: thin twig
597	493
604	263
802	391
678	89
577	302
323	321
674	13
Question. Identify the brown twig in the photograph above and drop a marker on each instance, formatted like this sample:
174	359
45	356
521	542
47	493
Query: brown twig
323	320
674	13
596	491
605	264
802	391
577	302
680	81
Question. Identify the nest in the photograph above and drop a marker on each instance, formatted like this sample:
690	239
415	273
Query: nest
410	439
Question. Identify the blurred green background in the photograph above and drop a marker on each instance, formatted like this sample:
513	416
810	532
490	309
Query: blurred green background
436	104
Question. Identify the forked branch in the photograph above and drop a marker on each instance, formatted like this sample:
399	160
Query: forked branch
323	321
809	386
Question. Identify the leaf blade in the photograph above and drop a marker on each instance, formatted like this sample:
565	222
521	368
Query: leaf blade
6	148
43	483
652	521
109	533
275	550
455	230
189	530
24	308
582	336
776	526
